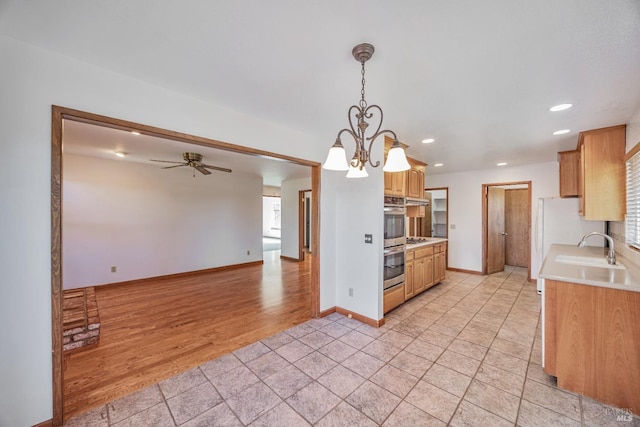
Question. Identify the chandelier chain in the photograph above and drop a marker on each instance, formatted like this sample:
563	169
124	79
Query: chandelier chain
363	102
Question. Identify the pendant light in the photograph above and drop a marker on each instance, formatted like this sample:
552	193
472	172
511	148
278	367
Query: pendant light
337	159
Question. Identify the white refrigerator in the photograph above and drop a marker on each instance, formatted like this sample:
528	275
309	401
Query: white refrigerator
559	222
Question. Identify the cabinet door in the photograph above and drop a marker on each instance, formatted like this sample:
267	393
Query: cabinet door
408	279
413	183
438	268
388	183
604	174
399	183
428	272
569	167
418	275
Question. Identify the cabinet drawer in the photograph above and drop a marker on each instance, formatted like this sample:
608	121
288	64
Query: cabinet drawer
409	255
393	297
439	248
423	252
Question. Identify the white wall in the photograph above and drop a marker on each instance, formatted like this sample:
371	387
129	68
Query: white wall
359	264
150	222
289	193
35	80
465	206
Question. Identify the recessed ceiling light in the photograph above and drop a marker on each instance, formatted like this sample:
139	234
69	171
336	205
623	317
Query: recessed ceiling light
560	107
120	153
501	164
135	132
428	141
561	132
437	165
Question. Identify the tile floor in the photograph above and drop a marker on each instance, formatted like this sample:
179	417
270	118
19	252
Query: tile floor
464	353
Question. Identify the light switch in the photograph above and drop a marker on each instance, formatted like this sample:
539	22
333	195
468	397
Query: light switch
368	238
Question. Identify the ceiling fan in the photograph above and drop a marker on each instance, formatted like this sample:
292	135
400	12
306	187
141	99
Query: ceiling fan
195	161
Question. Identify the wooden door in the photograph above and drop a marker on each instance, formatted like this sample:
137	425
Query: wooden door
516	225
495	229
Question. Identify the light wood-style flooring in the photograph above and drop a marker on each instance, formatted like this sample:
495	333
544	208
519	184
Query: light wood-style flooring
153	331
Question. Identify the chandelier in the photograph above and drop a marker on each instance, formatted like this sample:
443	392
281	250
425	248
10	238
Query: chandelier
358	125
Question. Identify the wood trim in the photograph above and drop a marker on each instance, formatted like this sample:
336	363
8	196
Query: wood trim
632	152
184	274
301	217
328	311
288	258
462	270
56	266
84	117
58	114
364	319
47	423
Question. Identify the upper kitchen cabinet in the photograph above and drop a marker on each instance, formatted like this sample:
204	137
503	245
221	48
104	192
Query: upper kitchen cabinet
394	182
569	172
415	179
601	173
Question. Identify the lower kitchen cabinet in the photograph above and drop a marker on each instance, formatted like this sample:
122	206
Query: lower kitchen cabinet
408	275
439	262
392	298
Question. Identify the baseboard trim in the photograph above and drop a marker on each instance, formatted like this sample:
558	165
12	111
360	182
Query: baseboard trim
184	274
288	258
360	317
327	312
461	270
364	319
47	423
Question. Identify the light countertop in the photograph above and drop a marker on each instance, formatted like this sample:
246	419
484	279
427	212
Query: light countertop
627	279
428	242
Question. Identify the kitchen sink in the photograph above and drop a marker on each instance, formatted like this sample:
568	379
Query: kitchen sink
588	261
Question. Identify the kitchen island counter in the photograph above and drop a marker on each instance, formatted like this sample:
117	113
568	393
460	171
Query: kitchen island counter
569	263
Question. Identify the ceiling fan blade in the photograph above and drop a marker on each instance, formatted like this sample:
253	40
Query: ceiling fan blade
176	166
202	170
216	168
166	161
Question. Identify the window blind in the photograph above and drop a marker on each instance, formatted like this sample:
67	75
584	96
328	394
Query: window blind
632	220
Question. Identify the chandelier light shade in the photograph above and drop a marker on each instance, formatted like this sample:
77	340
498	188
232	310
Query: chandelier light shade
358	125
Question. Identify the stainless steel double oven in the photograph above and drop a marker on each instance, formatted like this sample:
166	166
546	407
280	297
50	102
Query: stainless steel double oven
394	241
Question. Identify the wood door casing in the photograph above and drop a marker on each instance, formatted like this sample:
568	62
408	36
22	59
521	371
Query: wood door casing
495	229
516	223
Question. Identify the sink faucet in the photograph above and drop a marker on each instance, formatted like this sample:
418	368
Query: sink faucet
611	258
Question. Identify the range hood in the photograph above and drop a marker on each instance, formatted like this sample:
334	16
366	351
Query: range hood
412	201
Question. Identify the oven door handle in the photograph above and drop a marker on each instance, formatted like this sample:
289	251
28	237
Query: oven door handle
392	251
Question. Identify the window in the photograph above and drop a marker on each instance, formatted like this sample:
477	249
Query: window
632	220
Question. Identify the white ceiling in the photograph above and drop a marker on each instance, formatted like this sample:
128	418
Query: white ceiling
98	141
478	76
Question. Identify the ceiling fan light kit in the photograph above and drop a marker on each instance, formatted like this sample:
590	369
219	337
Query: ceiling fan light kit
193	160
357	115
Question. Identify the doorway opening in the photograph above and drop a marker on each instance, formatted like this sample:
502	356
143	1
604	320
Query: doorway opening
271	223
59	116
439	207
506	226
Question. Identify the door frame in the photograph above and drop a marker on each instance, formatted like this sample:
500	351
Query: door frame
58	114
485	227
301	223
446	189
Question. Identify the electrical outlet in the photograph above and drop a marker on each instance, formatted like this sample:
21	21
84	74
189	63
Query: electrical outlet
350	292
453	226
368	238
114	268
248	252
